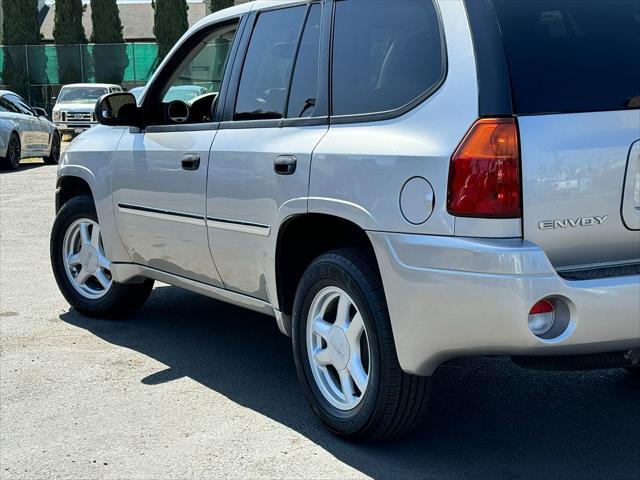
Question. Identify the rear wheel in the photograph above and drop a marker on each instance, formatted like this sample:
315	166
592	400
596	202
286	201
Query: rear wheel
12	159
345	354
81	268
54	154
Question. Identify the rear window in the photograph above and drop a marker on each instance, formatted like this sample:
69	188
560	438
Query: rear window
572	55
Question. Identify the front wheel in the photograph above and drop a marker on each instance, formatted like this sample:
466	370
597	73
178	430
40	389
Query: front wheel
345	354
81	268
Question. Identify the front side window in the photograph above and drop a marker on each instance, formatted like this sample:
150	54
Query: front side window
385	54
204	70
266	73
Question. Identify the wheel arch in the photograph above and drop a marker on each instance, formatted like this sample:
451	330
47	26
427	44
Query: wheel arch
301	239
71	186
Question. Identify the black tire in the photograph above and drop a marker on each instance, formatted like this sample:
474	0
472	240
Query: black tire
394	401
120	299
54	154
634	371
12	160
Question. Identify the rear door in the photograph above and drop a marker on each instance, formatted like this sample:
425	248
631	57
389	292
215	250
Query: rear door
260	160
575	79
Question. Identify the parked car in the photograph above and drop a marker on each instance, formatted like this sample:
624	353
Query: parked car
25	132
73	112
185	93
383	179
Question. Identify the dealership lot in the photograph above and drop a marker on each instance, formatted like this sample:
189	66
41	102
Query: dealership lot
190	387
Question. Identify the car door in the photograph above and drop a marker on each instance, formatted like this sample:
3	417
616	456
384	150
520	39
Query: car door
160	171
28	125
275	115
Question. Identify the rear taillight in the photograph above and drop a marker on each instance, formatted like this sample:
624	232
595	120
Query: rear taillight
484	175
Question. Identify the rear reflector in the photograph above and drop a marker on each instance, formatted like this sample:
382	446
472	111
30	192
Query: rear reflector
484	175
541	317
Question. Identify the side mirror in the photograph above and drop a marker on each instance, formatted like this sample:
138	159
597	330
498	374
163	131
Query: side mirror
120	109
40	112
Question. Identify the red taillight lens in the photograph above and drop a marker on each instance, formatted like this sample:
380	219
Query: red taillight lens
484	175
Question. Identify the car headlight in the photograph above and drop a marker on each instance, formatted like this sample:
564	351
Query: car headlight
56	116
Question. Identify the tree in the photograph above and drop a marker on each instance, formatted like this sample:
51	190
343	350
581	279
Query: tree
169	23
215	5
68	33
20	27
109	52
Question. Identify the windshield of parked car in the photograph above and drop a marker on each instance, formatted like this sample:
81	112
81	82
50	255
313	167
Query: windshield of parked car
184	93
81	94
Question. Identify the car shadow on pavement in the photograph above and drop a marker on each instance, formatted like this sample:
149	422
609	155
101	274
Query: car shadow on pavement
487	418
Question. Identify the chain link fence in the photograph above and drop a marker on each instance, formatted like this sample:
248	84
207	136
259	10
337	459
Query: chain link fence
37	72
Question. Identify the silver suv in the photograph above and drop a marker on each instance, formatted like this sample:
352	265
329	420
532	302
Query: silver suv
397	183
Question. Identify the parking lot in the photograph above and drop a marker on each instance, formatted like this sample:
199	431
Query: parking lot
190	387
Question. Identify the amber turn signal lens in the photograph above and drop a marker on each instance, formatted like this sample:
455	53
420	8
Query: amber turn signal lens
484	174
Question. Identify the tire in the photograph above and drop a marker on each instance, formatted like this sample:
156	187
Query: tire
54	154
12	160
392	402
91	298
634	371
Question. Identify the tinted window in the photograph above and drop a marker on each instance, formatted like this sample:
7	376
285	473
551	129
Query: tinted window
7	106
267	68
572	55
20	105
385	54
305	75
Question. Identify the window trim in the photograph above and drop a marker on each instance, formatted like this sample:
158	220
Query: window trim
227	121
397	112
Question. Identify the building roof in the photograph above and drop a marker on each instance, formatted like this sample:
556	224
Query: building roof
137	20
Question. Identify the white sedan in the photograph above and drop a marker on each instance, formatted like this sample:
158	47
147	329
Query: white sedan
25	132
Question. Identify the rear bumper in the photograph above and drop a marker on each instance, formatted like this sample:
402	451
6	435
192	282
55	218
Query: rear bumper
451	297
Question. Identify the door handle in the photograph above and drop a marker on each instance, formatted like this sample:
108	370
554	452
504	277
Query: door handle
285	165
190	161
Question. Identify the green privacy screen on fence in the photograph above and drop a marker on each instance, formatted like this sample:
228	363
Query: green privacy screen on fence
39	70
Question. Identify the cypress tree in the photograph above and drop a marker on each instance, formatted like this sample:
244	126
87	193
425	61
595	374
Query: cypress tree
68	32
169	23
215	5
20	27
109	52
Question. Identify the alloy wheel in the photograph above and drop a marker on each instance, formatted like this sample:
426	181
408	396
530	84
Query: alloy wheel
13	152
86	265
338	348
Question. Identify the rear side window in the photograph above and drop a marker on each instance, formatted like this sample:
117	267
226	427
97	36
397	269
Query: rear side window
572	55
385	54
266	73
302	97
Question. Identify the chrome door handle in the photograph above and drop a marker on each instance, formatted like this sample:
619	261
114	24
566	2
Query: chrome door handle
190	161
285	165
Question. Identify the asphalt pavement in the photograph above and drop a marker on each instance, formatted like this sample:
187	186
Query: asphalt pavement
189	387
